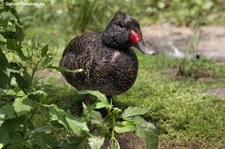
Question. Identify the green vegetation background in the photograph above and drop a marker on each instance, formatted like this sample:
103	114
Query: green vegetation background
182	114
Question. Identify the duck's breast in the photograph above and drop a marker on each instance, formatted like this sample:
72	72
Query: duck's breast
115	71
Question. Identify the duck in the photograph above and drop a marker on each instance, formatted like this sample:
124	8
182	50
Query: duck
107	58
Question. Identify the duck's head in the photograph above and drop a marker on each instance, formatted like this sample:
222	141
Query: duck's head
124	32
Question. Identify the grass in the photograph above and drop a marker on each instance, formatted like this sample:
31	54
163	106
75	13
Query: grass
184	116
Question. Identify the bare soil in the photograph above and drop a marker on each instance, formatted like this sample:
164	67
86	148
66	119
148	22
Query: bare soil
208	40
219	91
128	140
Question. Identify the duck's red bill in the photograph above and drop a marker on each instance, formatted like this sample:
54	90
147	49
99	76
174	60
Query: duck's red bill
137	41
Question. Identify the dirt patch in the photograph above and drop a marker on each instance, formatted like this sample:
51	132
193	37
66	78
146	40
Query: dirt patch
220	92
128	140
210	42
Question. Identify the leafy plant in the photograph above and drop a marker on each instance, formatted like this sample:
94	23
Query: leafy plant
20	98
27	120
115	122
91	129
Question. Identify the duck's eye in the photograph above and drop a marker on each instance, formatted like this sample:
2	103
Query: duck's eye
118	23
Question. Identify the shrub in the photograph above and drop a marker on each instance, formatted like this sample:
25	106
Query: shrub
27	120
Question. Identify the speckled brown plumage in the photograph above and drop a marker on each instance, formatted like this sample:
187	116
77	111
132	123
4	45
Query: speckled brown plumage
109	64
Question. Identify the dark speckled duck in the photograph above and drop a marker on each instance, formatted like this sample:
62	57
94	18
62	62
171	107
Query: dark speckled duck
108	61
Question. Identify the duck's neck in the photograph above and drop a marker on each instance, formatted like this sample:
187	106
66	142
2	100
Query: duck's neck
114	37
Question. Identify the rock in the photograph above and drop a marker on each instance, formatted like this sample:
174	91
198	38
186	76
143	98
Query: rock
128	140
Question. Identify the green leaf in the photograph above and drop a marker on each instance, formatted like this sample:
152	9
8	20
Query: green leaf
104	129
124	126
45	129
100	105
96	142
96	115
77	142
147	131
1	145
15	66
86	115
44	51
89	112
77	126
161	4
11	92
9	132
44	140
5	80
23	81
6	112
38	95
20	93
71	123
19	36
15	47
47	60
57	115
101	97
63	69
23	105
133	111
143	123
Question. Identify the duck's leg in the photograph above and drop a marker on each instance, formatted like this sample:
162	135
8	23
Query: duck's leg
110	99
87	99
